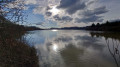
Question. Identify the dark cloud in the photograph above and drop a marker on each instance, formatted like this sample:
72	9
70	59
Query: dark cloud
67	3
48	8
100	10
90	19
72	6
67	18
63	18
75	8
39	23
92	15
96	11
56	17
91	2
48	13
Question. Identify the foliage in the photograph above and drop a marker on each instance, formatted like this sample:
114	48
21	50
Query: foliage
108	26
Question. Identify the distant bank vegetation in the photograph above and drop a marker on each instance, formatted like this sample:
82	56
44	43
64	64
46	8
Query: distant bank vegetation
108	26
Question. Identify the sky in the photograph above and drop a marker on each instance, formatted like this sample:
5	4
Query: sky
69	13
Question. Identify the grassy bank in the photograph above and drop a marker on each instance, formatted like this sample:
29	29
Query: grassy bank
15	52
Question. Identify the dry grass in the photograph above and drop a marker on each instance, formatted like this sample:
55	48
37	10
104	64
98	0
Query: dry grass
14	52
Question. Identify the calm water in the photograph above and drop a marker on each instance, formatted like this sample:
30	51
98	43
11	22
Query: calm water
75	48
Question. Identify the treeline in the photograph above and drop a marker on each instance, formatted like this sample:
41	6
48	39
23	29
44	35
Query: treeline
108	26
8	25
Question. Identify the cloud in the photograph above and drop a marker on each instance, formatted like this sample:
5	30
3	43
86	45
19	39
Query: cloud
75	8
63	18
16	4
96	11
100	10
27	2
48	13
92	15
91	2
80	11
90	19
69	11
67	3
39	10
72	6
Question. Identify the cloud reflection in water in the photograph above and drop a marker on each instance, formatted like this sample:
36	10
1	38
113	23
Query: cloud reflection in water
72	49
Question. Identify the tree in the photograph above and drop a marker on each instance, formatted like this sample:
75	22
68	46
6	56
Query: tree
107	23
93	25
98	24
12	10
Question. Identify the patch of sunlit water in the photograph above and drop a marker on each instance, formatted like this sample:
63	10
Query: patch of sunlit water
54	30
55	47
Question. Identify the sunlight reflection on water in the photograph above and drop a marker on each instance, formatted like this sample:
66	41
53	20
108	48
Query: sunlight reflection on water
54	30
55	47
72	48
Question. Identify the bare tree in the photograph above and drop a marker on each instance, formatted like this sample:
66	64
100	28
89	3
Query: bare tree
12	10
114	51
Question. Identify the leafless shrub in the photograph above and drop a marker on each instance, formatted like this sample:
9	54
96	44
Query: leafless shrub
12	10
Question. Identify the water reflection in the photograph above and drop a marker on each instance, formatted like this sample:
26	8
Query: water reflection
55	47
114	52
73	48
54	30
113	44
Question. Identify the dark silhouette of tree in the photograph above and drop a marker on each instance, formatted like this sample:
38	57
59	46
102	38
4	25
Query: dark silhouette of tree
93	25
107	23
98	24
108	26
